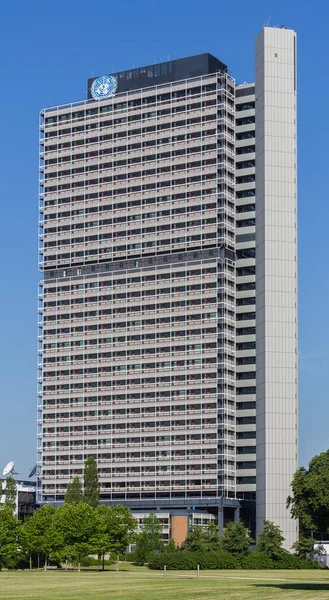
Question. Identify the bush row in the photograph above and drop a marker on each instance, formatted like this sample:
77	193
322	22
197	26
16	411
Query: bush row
225	560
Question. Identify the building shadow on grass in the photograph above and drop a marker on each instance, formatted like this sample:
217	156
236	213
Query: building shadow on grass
307	586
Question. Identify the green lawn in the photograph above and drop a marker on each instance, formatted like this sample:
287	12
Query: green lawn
140	584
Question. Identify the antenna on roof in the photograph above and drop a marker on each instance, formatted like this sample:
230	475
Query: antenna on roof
267	23
9	469
33	471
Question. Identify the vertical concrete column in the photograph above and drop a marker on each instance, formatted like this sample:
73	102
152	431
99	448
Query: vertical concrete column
221	520
276	277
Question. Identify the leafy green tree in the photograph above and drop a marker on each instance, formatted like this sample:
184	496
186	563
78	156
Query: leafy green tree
236	539
11	493
76	523
195	540
201	539
90	483
40	534
304	547
74	492
171	547
309	501
114	530
212	537
270	541
150	538
9	537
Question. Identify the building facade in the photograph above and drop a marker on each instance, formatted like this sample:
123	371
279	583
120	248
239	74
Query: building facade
147	338
25	497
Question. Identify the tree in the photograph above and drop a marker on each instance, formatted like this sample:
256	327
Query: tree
40	534
90	481
201	539
195	540
270	541
236	539
114	529
171	547
11	493
304	547
76	523
212	537
309	501
9	537
150	537
74	492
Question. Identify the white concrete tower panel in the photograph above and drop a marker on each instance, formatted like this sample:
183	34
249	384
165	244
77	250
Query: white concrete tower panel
276	277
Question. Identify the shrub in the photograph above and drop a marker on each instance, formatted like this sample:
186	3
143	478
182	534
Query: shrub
190	560
256	560
221	559
91	561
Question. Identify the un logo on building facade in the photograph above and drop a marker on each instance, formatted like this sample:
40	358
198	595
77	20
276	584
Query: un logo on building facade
104	87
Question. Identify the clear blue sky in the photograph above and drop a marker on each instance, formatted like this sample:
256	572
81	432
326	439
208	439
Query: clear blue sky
48	50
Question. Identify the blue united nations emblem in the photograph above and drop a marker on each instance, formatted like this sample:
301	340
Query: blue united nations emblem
104	87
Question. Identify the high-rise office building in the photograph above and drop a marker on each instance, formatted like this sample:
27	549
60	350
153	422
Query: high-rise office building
167	207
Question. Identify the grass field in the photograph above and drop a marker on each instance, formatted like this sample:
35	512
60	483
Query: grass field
140	584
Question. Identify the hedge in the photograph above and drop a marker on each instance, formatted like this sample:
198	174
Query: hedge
189	560
221	559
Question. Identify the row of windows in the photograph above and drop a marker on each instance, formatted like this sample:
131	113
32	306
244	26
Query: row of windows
245	106
133	397
246	420
183	227
143	231
245	165
138	323
142	279
144	187
117	220
132	174
247	360
130	114
246	253
84	198
246	223
245	480
246	149
126	441
246	346
127	426
122	162
246	301
246	405
130	310
146	100
163	380
185	122
147	485
137	247
121	354
246	331
146	455
246	450
123	339
194	135
246	316
245	208
182	469
144	411
139	366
